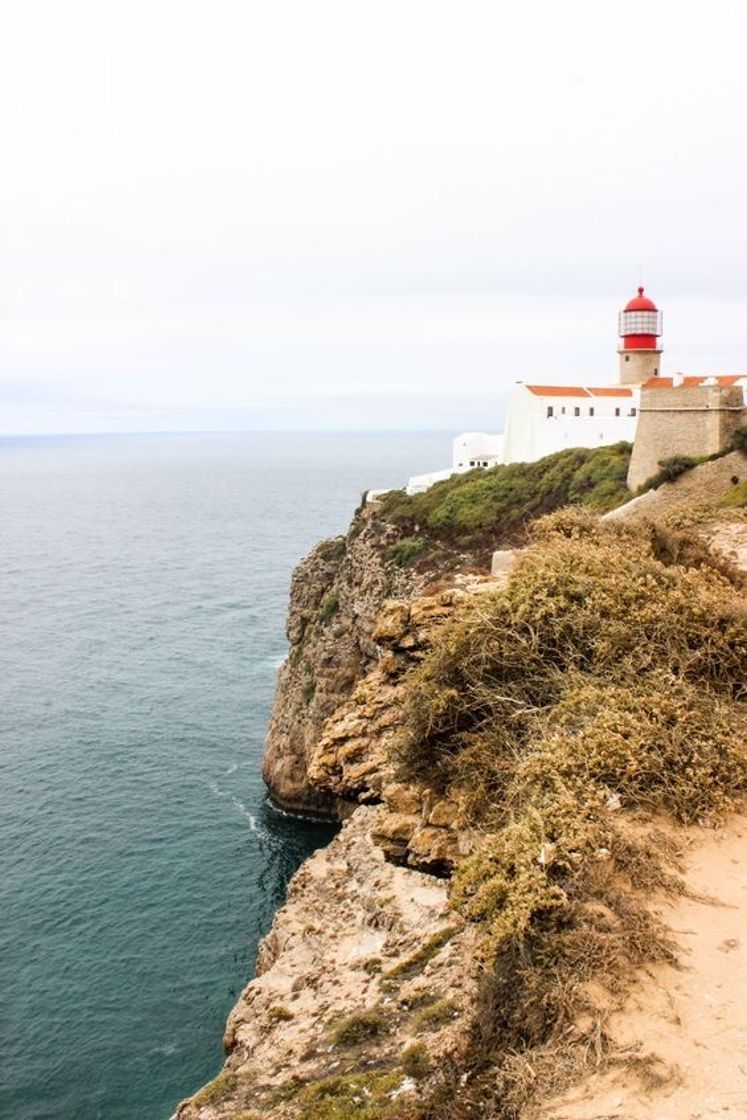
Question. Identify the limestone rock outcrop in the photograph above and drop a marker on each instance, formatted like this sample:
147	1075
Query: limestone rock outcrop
336	595
363	955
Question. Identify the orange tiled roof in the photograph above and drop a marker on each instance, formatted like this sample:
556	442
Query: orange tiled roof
690	381
580	390
558	390
610	391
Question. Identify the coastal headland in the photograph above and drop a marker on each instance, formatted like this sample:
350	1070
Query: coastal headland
533	906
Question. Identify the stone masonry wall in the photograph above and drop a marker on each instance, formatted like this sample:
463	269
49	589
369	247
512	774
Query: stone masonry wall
683	421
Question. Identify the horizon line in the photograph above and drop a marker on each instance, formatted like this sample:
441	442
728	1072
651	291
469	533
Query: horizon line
227	431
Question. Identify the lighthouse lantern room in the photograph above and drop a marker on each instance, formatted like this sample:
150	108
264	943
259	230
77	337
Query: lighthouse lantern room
640	330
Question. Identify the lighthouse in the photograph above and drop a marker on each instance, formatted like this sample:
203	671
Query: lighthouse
640	330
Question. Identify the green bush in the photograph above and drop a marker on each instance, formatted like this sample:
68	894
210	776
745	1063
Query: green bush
405	551
280	1014
670	470
330	606
356	1096
482	508
309	688
738	441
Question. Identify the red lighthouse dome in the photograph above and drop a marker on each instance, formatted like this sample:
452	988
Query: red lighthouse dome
640	303
640	323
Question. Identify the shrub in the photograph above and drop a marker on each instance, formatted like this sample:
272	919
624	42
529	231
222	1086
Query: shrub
216	1089
669	470
434	1015
358	1028
309	688
423	997
330	606
608	673
738	441
356	1096
482	508
405	551
425	953
598	670
415	1061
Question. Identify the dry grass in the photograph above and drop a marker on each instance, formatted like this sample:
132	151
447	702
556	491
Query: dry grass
609	674
419	959
359	1028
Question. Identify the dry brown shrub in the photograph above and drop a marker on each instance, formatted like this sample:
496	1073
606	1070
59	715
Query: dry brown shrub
601	678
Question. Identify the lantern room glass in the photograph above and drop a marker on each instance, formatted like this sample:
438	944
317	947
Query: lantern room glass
640	322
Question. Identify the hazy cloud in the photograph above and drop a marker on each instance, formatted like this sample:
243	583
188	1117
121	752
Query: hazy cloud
355	214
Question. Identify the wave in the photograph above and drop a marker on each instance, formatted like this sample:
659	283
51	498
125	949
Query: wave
314	818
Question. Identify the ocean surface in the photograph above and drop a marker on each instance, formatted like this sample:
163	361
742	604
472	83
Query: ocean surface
143	590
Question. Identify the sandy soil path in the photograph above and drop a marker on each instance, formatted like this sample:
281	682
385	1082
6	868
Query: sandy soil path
689	1025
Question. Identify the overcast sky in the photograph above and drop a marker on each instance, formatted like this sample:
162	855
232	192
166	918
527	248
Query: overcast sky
358	213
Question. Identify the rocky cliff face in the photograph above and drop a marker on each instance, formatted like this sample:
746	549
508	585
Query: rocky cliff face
367	984
364	956
367	954
336	595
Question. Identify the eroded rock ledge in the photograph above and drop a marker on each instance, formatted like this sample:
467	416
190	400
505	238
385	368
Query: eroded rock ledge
363	954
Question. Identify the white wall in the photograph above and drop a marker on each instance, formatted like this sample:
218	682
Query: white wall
476	449
420	482
530	433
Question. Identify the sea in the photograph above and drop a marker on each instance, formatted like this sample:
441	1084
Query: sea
143	590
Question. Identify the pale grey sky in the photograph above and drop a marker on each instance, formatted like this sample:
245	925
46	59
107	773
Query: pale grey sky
358	213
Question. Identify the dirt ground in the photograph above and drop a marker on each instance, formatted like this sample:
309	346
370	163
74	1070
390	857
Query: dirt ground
681	1035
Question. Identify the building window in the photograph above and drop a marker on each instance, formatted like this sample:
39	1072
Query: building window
591	412
577	412
627	357
549	411
563	410
617	412
632	412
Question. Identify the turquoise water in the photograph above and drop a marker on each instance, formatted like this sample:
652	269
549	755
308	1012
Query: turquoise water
143	588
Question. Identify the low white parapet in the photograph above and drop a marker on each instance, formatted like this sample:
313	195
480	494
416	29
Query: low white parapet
419	483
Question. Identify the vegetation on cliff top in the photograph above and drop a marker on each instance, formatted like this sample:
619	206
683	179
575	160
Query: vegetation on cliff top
484	507
604	677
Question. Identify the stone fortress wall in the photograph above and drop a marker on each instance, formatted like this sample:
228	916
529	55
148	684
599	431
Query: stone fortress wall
683	420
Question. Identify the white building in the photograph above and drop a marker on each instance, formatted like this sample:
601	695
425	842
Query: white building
542	419
469	450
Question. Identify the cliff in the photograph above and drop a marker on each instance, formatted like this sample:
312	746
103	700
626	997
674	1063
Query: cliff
533	768
336	595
